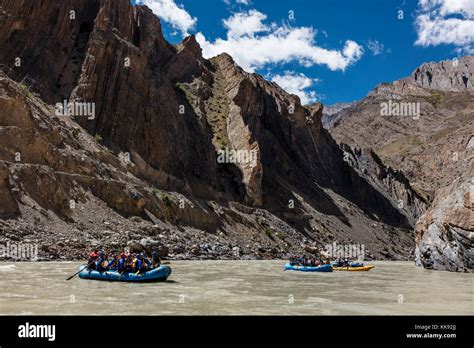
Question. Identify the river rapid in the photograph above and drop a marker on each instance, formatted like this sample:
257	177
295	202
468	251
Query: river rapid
237	288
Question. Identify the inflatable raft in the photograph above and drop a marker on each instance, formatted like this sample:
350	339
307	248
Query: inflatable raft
155	275
354	269
322	268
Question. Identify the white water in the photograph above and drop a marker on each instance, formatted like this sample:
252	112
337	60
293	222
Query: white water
238	287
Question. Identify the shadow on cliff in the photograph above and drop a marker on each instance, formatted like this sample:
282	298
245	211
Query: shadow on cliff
287	203
358	190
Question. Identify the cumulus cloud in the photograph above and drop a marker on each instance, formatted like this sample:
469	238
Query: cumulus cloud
297	83
256	44
245	24
375	47
170	12
446	22
447	7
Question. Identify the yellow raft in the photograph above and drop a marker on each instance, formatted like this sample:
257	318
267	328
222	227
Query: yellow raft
353	269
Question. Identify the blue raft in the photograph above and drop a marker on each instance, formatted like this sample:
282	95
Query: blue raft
155	275
322	268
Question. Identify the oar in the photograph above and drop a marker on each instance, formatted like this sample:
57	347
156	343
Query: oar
75	274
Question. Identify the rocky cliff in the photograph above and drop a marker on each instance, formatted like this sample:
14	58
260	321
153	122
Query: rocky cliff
428	141
445	233
195	156
455	75
392	183
332	112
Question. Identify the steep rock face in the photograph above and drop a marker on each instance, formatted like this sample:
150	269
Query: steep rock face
171	111
43	44
456	75
243	123
445	233
295	154
392	183
129	72
9	207
331	113
125	67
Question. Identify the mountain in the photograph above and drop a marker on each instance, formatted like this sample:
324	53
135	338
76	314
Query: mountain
331	112
448	76
431	147
160	147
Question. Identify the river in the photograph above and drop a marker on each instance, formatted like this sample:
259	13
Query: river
237	287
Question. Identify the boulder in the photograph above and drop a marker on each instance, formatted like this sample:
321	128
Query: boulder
135	247
163	251
149	245
312	250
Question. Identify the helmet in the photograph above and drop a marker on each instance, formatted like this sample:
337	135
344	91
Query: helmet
93	254
154	253
140	256
123	255
101	253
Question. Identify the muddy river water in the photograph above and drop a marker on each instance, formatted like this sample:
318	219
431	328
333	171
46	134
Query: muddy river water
237	287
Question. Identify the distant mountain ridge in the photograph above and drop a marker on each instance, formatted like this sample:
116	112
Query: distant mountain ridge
456	75
330	113
433	151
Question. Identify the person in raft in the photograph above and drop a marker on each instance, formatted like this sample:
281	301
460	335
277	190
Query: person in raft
342	263
92	260
142	264
113	264
306	261
101	264
155	259
122	263
131	262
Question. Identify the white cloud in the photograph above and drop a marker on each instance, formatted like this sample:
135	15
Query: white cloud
245	24
445	22
297	83
242	2
466	50
172	13
448	7
258	44
375	47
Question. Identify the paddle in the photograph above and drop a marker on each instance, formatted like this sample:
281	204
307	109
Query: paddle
75	274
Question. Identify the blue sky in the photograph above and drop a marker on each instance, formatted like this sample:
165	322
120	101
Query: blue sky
324	50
